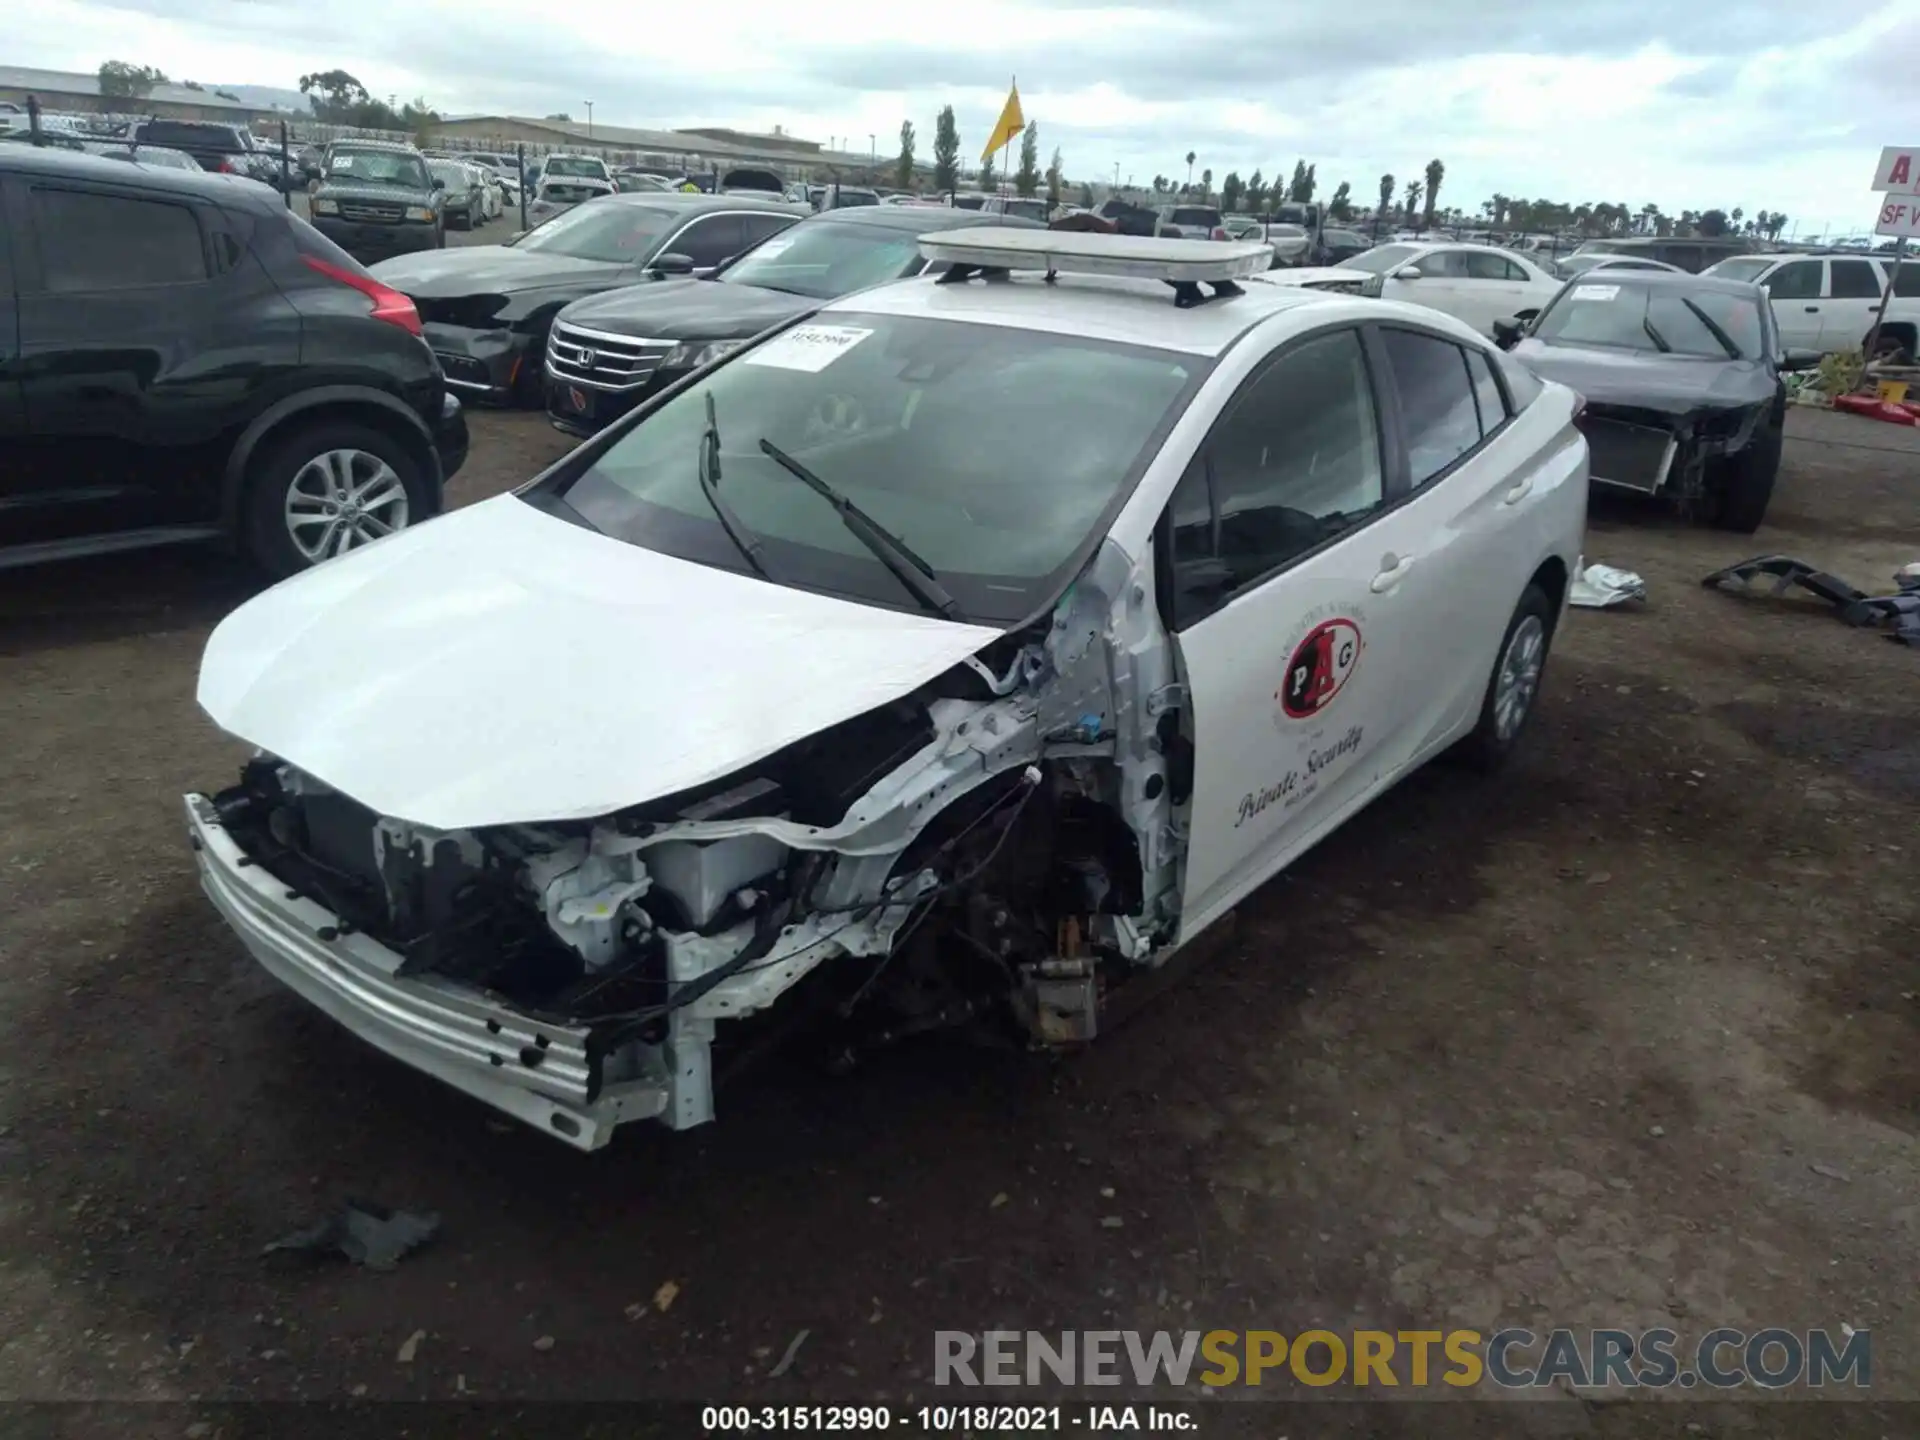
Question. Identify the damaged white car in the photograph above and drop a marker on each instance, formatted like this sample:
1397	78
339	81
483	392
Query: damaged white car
950	656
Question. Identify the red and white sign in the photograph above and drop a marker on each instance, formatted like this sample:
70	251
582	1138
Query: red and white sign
1899	216
1899	170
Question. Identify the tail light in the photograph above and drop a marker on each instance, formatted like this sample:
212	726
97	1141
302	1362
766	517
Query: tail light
227	167
1220	232
388	303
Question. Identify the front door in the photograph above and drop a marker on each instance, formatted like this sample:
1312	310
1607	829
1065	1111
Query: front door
1283	606
1796	291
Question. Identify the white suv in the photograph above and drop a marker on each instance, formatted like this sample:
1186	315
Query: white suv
1827	302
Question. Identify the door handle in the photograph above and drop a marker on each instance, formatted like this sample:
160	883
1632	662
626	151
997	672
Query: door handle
1393	569
1518	492
1813	309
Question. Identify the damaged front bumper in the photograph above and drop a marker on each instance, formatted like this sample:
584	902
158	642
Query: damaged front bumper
542	1073
1631	448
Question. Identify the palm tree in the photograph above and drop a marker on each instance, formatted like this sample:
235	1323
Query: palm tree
1386	191
1436	172
1206	183
1413	198
1189	169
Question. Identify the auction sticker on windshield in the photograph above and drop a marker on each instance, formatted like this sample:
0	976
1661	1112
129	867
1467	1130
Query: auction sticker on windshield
1596	292
808	347
772	247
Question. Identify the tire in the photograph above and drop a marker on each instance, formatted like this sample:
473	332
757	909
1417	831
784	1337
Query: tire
300	469
1896	345
1746	483
1523	649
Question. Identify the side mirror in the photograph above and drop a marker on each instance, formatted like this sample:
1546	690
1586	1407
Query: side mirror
1507	333
672	265
1797	358
438	183
1407	272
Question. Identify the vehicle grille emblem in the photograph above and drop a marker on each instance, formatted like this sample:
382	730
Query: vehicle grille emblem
589	358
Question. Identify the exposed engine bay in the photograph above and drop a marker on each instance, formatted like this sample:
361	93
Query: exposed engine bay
995	851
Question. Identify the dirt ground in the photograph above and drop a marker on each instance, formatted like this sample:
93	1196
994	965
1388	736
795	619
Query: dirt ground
1625	1037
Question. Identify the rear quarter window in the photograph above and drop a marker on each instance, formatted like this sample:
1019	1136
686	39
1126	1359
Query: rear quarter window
1187	215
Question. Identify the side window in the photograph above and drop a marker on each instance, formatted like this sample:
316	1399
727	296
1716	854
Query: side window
1486	393
1854	280
762	227
1294	462
1451	264
1437	411
1489	267
92	242
1688	257
1907	282
1796	280
707	242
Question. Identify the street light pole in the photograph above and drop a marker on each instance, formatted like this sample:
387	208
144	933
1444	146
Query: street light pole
873	150
589	105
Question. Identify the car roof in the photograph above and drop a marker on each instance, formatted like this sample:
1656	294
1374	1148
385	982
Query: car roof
1124	311
84	165
1677	280
690	200
355	142
919	219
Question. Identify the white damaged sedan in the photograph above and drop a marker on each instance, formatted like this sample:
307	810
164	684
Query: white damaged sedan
949	657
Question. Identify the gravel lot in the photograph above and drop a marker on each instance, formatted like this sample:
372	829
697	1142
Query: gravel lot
1626	1037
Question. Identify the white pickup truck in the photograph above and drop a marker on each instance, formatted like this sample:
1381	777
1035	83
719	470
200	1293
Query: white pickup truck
1827	302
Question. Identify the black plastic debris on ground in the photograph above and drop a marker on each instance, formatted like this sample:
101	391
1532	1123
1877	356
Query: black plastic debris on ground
369	1235
1897	615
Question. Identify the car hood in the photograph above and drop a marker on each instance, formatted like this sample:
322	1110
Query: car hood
356	190
488	270
1672	384
500	665
687	310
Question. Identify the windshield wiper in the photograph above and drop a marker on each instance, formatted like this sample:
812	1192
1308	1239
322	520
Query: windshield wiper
1725	340
889	549
1659	343
744	539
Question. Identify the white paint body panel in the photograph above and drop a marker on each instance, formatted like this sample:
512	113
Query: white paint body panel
498	665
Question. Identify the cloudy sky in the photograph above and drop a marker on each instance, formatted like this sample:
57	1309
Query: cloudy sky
1774	104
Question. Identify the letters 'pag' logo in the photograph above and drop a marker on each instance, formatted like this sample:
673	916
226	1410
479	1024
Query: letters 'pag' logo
1319	669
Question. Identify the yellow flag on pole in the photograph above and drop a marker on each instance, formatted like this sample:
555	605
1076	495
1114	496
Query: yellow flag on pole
1010	124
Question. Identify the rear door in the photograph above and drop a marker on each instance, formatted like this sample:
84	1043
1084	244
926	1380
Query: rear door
1471	489
1277	583
1797	290
1846	312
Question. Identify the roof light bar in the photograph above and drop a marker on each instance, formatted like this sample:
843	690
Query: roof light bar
1070	252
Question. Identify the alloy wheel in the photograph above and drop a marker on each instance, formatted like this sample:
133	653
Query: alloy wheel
1519	676
343	499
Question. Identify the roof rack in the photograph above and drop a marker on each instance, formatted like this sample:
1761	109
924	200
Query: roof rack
994	252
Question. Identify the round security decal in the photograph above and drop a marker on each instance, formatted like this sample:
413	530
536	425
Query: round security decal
1321	665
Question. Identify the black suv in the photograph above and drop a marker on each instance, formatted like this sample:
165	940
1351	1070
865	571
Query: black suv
181	358
377	198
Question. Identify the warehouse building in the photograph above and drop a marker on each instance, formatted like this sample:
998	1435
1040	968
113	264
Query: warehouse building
73	93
